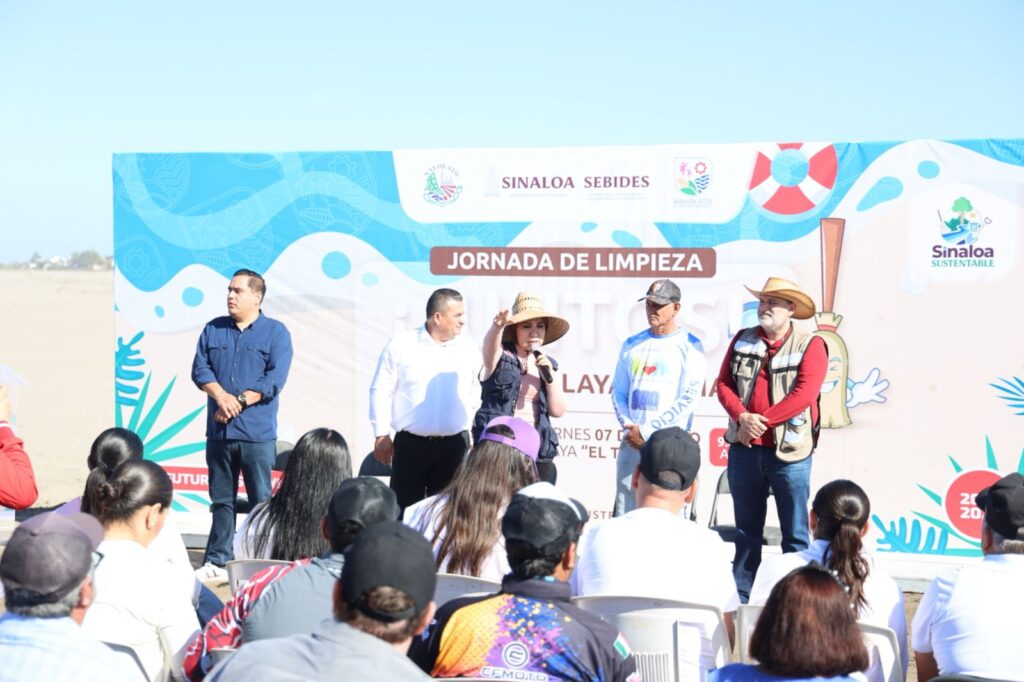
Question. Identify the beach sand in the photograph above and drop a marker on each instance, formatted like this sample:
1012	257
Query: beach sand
59	336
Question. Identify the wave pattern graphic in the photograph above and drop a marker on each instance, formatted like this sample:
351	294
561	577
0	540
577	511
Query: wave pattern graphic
228	212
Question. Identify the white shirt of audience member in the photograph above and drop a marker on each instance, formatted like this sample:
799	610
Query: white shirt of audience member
884	597
655	553
424	519
970	619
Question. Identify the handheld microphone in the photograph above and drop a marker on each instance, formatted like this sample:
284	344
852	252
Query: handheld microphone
545	372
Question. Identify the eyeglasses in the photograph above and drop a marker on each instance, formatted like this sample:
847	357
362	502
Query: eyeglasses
97	557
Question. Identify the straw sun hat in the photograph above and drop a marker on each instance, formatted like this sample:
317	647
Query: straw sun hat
783	288
528	307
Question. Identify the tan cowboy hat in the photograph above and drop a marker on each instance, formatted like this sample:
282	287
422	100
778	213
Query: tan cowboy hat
783	288
528	307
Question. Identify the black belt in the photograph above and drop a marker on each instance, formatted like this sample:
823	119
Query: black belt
416	435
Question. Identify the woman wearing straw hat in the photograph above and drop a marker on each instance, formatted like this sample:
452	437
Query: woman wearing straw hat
517	379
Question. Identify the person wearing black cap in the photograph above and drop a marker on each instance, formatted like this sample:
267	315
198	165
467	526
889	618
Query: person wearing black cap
653	551
383	599
530	629
658	378
969	621
294	598
46	571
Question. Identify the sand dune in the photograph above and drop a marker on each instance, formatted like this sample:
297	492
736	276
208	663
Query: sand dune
59	336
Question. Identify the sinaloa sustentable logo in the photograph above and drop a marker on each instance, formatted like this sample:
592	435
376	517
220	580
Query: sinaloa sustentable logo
442	185
961	228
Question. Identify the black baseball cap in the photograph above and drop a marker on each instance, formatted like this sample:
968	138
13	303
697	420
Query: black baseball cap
1003	504
671	449
389	554
363	499
544	517
50	554
662	291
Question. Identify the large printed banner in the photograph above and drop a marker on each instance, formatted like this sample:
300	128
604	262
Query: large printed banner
910	249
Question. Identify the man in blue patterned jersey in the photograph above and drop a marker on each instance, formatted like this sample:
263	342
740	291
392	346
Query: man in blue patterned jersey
658	378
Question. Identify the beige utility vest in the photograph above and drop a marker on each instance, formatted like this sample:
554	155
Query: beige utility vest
796	438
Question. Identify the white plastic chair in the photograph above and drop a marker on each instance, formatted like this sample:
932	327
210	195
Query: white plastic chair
884	650
746	620
451	586
669	639
240	570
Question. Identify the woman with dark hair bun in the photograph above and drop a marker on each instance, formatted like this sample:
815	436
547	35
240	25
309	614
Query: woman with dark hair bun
133	605
287	526
807	630
110	449
839	521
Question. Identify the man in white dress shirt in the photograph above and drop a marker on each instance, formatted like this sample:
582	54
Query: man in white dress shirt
425	391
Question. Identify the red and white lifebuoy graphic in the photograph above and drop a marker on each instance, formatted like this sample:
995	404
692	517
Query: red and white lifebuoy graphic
791	178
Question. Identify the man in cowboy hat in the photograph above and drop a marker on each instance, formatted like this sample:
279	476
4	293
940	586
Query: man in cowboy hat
658	377
424	392
769	385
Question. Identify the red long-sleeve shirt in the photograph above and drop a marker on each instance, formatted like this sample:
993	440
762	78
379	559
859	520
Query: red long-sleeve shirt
804	393
17	480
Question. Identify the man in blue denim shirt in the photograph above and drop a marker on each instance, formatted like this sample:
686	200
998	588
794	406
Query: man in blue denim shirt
241	363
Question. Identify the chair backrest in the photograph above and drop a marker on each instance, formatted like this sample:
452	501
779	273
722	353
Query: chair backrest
727	531
672	641
451	586
241	570
126	651
721	489
884	651
221	653
746	620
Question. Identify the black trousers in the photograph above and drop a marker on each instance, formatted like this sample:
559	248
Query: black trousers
424	465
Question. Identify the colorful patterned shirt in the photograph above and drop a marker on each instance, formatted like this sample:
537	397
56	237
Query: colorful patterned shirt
528	631
225	629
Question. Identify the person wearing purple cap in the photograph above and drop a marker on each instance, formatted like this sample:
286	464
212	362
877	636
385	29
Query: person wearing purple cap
968	621
463	522
518	379
47	574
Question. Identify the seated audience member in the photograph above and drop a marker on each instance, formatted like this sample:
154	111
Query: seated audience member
838	520
383	600
806	630
652	551
46	571
17	481
133	605
287	526
116	445
292	599
968	621
528	630
463	522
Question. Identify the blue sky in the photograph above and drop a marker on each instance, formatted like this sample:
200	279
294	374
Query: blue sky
80	81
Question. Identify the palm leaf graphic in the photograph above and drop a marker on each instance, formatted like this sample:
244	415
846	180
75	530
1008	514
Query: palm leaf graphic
1012	391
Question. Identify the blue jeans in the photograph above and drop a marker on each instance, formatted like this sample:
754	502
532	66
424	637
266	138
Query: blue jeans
626	463
751	471
225	459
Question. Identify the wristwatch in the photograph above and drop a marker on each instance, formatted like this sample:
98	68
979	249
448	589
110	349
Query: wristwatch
241	399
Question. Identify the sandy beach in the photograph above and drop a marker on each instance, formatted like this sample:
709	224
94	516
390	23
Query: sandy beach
59	336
